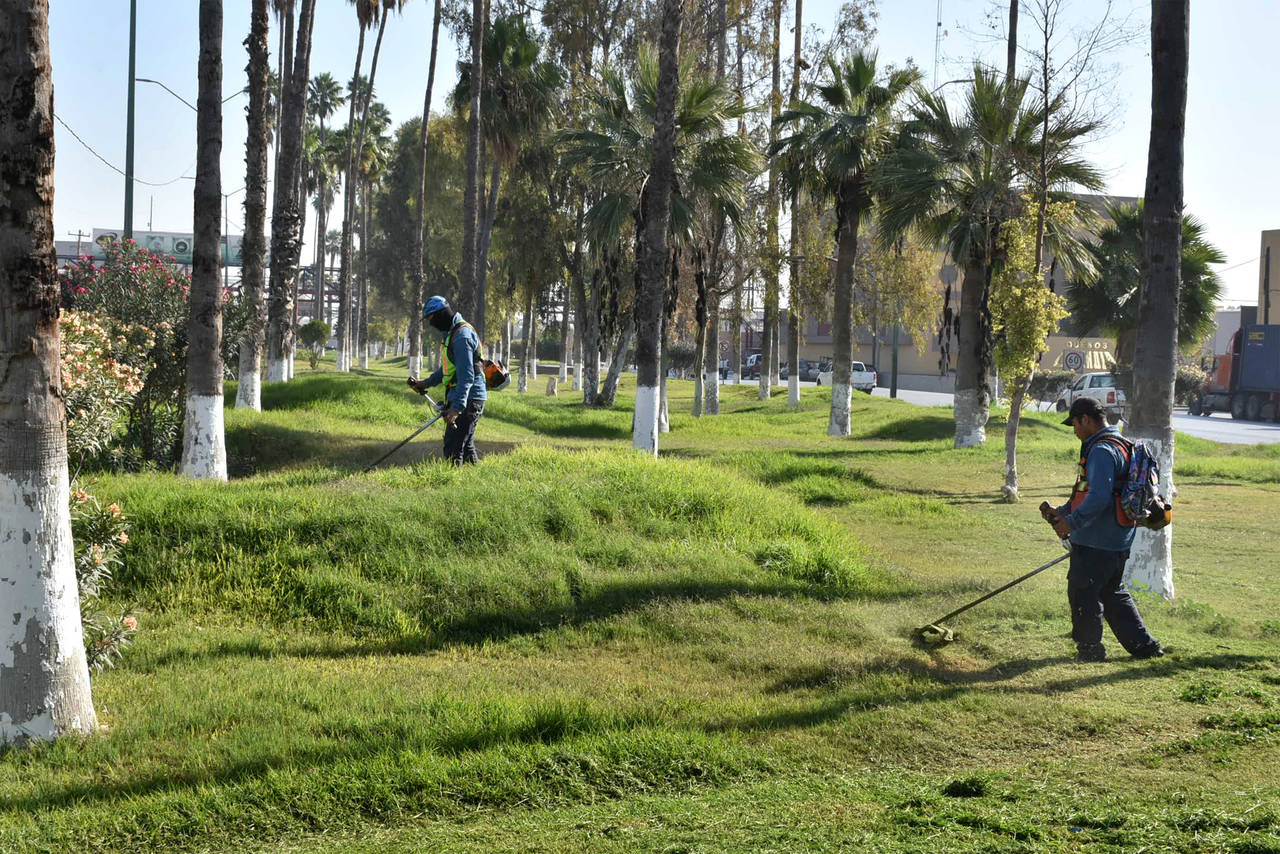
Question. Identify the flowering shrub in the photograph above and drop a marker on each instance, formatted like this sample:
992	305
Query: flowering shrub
102	372
100	534
143	296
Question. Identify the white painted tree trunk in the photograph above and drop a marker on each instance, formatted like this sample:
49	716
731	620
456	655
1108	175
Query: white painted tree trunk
971	419
793	391
841	403
645	430
364	358
664	417
204	449
1150	565
249	392
415	367
277	370
44	680
289	367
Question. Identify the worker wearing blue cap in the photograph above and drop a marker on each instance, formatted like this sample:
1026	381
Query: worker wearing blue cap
460	371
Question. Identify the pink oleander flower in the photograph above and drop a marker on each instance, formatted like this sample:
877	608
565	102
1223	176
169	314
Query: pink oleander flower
114	509
123	538
80	496
129	624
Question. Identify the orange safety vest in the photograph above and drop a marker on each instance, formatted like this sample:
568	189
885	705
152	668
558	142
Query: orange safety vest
1081	488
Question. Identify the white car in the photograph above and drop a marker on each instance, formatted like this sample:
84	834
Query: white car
860	377
1101	386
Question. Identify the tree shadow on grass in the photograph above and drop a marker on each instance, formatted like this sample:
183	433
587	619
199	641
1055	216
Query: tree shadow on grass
918	428
847	689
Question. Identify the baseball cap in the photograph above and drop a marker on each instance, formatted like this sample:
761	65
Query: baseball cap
1085	406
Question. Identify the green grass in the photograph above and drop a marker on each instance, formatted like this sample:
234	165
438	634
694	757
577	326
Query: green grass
573	647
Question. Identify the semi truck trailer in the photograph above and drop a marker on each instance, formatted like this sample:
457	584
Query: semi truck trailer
1245	381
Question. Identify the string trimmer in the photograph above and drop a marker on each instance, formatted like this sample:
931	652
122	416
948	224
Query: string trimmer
439	410
936	633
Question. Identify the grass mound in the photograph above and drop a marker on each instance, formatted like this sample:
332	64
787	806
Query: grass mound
434	554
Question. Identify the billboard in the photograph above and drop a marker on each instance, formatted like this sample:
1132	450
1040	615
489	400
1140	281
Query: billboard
177	245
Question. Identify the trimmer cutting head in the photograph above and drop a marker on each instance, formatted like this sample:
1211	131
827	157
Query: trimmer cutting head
934	635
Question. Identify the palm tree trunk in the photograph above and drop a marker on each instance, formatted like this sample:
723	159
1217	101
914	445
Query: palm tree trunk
285	221
1155	355
486	235
973	360
609	393
591	343
44	682
656	214
204	448
565	338
793	303
363	344
249	390
467	280
418	271
700	338
768	351
528	336
842	322
343	329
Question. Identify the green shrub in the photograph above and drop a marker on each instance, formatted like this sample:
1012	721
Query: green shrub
1048	385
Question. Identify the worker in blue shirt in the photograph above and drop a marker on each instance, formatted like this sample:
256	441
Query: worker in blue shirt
1100	536
463	377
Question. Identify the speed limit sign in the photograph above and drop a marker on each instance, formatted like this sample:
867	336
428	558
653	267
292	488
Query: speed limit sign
1073	360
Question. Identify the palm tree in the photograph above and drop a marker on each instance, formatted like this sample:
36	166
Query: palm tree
204	452
417	271
367	12
254	251
958	178
517	99
1158	311
1109	301
286	232
325	97
467	274
375	155
837	144
614	152
652	226
46	680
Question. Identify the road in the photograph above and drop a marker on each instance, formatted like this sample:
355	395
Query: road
1219	427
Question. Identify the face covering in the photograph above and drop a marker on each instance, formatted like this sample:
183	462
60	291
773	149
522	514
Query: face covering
441	320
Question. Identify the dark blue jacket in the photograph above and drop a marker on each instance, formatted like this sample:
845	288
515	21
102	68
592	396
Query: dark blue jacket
469	383
1094	523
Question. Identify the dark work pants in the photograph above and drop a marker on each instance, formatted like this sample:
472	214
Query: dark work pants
1095	589
460	436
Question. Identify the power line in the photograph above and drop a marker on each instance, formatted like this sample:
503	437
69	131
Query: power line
111	165
1234	266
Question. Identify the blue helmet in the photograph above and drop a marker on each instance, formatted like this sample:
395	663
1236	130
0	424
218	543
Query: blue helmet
436	303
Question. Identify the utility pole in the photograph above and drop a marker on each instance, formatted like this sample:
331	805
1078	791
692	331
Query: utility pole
128	140
79	235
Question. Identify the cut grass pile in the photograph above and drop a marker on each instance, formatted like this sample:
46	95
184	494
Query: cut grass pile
573	647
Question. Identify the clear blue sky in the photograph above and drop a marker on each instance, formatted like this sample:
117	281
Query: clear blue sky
1231	113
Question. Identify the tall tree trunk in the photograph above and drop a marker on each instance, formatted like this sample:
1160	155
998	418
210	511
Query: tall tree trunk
973	357
1155	355
793	302
768	352
418	270
528	353
363	344
565	339
44	680
349	190
609	393
286	233
254	249
842	322
467	276
1011	63
700	337
656	206
591	344
204	444
486	235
